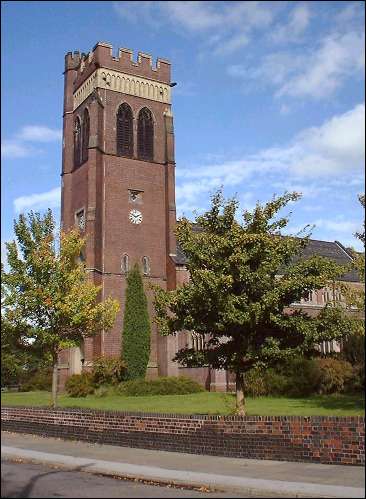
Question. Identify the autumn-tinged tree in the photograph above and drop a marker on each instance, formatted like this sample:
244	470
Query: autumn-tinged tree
243	278
47	292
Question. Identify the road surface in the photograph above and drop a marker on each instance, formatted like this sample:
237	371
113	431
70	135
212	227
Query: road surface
37	480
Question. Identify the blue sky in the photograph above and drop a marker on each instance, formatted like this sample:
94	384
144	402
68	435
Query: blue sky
269	97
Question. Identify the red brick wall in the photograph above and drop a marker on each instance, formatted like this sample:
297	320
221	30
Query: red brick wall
328	440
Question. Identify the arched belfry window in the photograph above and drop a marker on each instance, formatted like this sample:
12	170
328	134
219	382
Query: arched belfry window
145	265
124	131
86	131
125	264
145	134
77	143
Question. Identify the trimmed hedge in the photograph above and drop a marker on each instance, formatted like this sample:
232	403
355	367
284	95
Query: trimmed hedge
160	386
136	327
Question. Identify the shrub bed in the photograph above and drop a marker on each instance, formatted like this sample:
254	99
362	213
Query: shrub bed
304	377
160	386
41	380
108	371
80	385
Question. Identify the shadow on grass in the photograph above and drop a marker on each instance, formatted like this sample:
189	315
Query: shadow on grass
321	405
338	402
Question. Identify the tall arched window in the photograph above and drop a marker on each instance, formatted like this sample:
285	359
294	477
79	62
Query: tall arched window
125	264
124	131
86	131
145	134
146	265
77	143
198	342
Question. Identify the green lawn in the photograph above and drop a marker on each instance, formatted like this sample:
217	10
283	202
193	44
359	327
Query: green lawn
202	403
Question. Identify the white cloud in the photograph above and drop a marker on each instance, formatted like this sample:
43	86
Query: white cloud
194	16
232	22
336	58
309	189
38	133
316	73
330	230
13	149
274	69
232	44
338	225
18	147
353	12
298	22
333	151
342	135
43	200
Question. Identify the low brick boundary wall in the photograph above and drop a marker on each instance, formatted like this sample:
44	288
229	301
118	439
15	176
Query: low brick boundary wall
328	440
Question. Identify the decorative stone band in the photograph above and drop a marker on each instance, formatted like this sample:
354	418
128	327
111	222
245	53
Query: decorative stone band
123	83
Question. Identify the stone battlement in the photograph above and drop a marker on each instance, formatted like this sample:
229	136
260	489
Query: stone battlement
101	56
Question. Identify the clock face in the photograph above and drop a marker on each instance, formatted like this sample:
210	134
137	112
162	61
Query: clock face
135	217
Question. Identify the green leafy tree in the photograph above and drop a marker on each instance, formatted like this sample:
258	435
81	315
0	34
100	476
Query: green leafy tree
13	354
136	327
353	348
361	235
20	357
243	278
48	295
360	258
355	296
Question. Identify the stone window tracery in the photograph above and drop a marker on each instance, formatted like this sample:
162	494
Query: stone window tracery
124	131
77	143
146	265
80	220
145	134
125	264
85	138
198	341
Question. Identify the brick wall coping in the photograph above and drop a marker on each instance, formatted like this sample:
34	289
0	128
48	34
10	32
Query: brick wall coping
209	417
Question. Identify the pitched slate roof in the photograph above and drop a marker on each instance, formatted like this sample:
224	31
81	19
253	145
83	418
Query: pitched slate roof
334	251
329	249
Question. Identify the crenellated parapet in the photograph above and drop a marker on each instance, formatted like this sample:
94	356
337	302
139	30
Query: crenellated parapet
102	57
72	60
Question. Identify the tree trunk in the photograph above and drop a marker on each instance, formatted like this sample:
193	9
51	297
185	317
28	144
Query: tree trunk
54	383
240	400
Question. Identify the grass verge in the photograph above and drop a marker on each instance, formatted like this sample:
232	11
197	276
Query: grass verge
201	403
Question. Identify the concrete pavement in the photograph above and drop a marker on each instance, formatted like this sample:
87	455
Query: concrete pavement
276	478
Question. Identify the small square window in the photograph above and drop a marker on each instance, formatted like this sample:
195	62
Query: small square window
135	196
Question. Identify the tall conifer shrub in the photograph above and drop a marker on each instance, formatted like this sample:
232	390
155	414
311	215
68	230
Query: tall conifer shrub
136	327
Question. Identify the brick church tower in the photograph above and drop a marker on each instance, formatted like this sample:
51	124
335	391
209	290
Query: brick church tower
118	185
